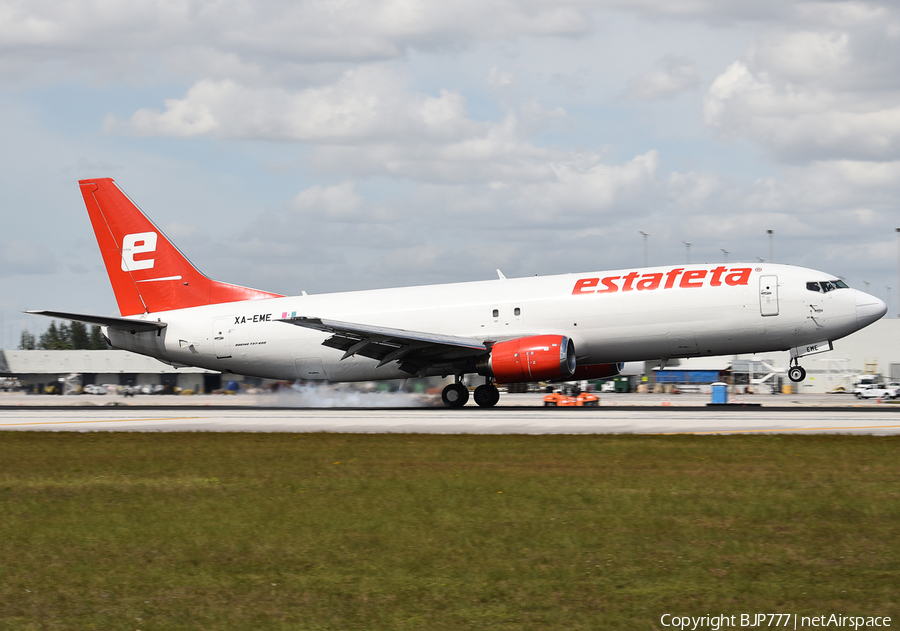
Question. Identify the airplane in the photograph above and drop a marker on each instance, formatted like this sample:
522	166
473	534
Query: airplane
510	330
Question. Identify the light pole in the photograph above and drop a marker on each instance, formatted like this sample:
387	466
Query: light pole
771	245
888	287
725	252
646	259
687	247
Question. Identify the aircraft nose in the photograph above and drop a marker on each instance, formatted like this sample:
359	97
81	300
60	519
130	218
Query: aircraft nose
868	308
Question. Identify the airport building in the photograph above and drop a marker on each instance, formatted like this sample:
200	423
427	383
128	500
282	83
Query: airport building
41	369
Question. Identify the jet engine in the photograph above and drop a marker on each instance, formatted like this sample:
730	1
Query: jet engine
535	358
596	371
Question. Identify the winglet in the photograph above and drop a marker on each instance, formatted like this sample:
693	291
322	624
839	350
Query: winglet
147	272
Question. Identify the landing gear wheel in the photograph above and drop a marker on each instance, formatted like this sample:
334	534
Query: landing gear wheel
487	395
455	395
797	373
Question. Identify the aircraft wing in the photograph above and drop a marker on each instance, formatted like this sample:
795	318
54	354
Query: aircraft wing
414	350
124	324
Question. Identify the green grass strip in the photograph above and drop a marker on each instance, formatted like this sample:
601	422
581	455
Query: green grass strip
335	531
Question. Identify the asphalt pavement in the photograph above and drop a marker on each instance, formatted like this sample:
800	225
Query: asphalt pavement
342	411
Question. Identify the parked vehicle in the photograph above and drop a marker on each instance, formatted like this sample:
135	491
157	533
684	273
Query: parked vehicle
558	399
879	391
862	387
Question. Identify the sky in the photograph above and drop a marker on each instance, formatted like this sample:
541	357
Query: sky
337	145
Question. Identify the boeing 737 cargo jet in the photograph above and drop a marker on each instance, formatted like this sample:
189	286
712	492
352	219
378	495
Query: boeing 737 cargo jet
509	330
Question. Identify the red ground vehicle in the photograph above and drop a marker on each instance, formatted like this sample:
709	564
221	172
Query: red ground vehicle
558	399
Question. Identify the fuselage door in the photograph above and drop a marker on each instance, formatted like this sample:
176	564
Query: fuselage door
222	337
768	295
310	369
682	344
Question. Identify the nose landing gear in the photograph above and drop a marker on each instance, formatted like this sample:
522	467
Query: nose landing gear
797	372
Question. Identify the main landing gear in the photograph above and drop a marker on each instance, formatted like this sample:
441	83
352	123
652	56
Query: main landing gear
457	394
796	373
487	395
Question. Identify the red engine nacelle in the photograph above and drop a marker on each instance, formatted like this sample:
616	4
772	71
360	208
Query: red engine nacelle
535	358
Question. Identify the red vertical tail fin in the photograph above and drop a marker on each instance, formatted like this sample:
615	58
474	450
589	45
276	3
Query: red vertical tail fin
147	272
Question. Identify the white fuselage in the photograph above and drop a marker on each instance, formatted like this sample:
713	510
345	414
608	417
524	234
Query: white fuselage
612	316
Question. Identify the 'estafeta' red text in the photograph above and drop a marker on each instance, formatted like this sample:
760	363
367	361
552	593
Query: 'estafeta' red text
677	277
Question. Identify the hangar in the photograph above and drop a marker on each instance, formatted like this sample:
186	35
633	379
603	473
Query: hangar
40	368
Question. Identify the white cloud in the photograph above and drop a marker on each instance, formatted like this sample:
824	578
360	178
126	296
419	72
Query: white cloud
690	191
330	203
500	78
802	122
501	156
813	94
253	40
566	192
366	104
843	14
840	186
670	76
804	55
714	11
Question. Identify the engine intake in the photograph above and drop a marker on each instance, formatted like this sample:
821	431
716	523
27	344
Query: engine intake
535	358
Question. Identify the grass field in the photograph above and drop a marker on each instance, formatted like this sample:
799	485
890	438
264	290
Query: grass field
331	531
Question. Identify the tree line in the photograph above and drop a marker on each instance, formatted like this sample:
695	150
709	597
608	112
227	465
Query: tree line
74	336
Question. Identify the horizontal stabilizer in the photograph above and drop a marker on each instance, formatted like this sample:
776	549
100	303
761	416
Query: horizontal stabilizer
124	324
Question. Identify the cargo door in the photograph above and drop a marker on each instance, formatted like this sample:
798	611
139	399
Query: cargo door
768	295
682	344
310	369
222	336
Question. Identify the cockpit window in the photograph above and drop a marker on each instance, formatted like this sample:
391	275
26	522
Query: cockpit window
826	285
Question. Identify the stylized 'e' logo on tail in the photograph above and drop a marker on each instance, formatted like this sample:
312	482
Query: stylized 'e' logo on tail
138	243
131	244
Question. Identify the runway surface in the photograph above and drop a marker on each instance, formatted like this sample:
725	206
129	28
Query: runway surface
470	420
